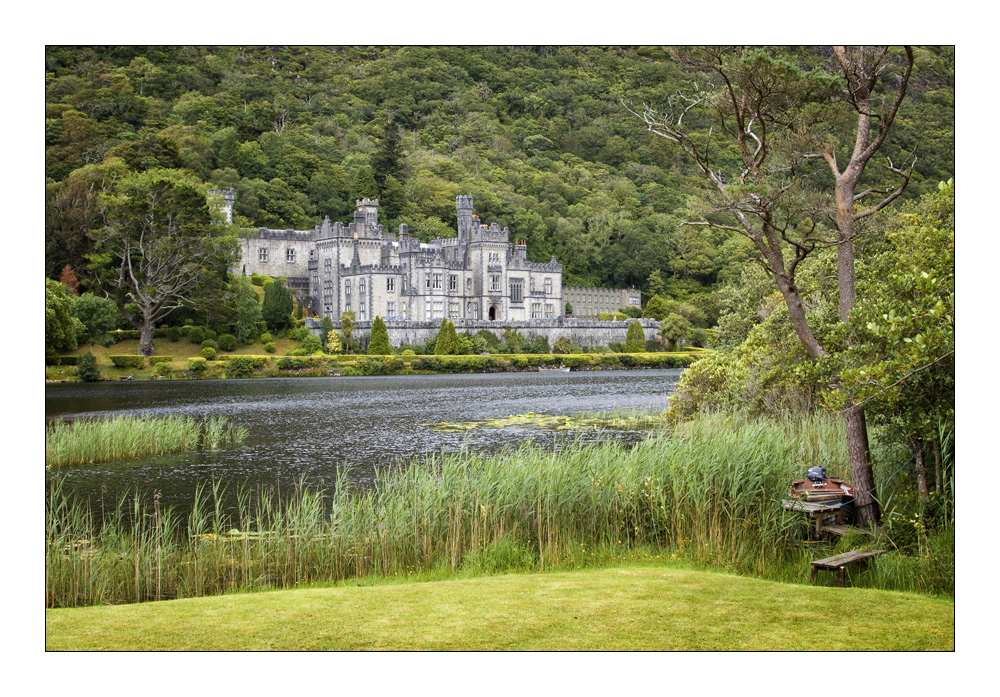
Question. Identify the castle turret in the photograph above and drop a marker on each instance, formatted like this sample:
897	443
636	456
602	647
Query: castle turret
464	205
370	209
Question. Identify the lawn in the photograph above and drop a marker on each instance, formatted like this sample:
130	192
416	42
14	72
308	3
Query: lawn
633	607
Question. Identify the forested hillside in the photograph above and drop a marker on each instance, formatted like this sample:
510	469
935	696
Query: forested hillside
538	135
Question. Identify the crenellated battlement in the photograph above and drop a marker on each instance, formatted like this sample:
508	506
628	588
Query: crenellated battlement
269	234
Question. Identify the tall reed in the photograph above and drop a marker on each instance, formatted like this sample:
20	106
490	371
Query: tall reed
711	495
85	441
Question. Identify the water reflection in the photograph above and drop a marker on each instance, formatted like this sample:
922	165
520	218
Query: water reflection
308	429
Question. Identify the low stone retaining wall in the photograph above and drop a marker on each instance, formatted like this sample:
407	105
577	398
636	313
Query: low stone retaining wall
583	332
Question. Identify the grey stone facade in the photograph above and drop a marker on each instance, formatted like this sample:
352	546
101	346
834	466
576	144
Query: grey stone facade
478	279
359	267
590	302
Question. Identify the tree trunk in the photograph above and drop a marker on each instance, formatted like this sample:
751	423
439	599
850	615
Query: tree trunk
920	464
797	314
146	338
854	418
866	507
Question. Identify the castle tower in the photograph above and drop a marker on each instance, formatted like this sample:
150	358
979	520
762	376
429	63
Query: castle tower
464	206
371	211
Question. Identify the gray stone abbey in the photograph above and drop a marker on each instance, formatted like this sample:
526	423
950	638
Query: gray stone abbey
479	279
359	267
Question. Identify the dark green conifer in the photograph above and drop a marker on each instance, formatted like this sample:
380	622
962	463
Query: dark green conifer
379	344
277	306
635	339
387	161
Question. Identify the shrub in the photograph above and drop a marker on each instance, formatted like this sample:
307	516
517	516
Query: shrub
153	360
198	365
86	368
227	342
266	338
128	361
369	366
540	345
564	345
173	333
379	344
211	343
635	338
269	347
311	343
240	366
210	334
163	369
196	335
208	353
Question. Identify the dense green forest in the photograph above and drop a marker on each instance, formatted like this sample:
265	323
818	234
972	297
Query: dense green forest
539	135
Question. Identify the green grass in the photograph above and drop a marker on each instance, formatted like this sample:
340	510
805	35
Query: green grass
634	607
86	441
181	351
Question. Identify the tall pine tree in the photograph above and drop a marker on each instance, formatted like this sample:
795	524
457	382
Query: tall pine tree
277	306
364	184
387	161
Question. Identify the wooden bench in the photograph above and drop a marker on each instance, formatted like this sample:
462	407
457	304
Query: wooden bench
840	562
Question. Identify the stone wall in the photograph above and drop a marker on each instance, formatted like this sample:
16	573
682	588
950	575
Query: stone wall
585	332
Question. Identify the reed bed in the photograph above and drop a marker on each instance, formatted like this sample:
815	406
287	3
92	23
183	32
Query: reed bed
709	496
85	441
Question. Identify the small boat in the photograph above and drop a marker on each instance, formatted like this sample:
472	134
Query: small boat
829	489
822	492
553	369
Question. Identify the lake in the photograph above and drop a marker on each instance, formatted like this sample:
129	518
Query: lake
308	429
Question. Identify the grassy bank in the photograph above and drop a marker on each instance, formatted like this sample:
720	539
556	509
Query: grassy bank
637	607
710	495
85	441
186	363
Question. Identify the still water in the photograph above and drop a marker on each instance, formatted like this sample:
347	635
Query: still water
307	429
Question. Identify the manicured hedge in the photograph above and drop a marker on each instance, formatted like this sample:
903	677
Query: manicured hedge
258	361
128	361
153	360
